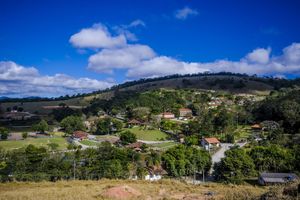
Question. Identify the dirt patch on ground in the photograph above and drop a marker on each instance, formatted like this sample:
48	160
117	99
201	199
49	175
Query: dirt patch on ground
188	197
121	192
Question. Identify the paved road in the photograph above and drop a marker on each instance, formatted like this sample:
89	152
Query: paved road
216	157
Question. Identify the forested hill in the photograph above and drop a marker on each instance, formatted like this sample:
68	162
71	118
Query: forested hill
225	81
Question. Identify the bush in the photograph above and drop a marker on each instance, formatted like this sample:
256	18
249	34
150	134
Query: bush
127	137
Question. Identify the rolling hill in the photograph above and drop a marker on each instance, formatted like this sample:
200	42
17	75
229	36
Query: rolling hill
234	83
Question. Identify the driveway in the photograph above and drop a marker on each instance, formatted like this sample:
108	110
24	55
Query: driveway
216	157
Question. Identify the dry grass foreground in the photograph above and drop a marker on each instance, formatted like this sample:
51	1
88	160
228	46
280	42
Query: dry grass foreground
124	189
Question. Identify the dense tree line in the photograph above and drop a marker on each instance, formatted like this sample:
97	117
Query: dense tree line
156	101
282	107
185	161
240	164
38	163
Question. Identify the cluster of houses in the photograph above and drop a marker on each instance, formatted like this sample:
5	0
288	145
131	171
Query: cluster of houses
183	113
15	115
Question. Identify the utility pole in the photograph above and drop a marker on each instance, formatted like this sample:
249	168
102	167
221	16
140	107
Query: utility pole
74	169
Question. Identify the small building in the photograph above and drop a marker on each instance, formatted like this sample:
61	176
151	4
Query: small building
167	115
276	178
208	143
185	112
155	174
256	127
80	135
137	146
133	122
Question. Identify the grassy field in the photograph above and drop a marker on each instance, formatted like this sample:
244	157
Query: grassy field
10	145
164	146
150	135
89	143
125	189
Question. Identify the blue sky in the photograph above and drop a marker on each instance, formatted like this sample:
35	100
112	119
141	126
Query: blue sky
114	41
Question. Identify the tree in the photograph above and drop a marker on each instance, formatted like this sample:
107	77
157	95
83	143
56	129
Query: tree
235	167
24	135
127	137
53	146
4	133
141	113
223	120
71	124
272	158
184	161
191	140
42	126
108	125
64	111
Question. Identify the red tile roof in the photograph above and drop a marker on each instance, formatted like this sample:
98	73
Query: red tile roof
80	134
135	145
256	126
185	109
212	140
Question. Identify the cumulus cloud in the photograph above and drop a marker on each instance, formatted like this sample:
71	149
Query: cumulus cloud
141	61
185	12
291	54
26	81
127	57
163	65
97	36
260	55
143	65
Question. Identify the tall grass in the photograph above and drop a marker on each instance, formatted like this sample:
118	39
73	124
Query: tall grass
88	190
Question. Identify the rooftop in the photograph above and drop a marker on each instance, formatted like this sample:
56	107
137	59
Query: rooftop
212	140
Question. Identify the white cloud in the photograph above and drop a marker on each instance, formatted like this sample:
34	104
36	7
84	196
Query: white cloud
185	12
128	57
163	65
125	29
260	55
291	54
97	36
136	23
258	62
140	61
26	81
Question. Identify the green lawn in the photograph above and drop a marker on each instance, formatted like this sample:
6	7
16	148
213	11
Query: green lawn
164	145
9	145
150	135
89	143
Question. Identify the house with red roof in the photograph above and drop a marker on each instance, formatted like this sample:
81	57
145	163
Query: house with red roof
80	135
185	112
167	115
209	143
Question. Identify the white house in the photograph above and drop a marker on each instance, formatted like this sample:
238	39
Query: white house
208	143
155	174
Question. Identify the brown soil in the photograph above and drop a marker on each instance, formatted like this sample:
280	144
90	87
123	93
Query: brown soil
121	192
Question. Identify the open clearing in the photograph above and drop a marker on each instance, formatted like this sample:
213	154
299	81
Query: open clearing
124	189
15	144
150	135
